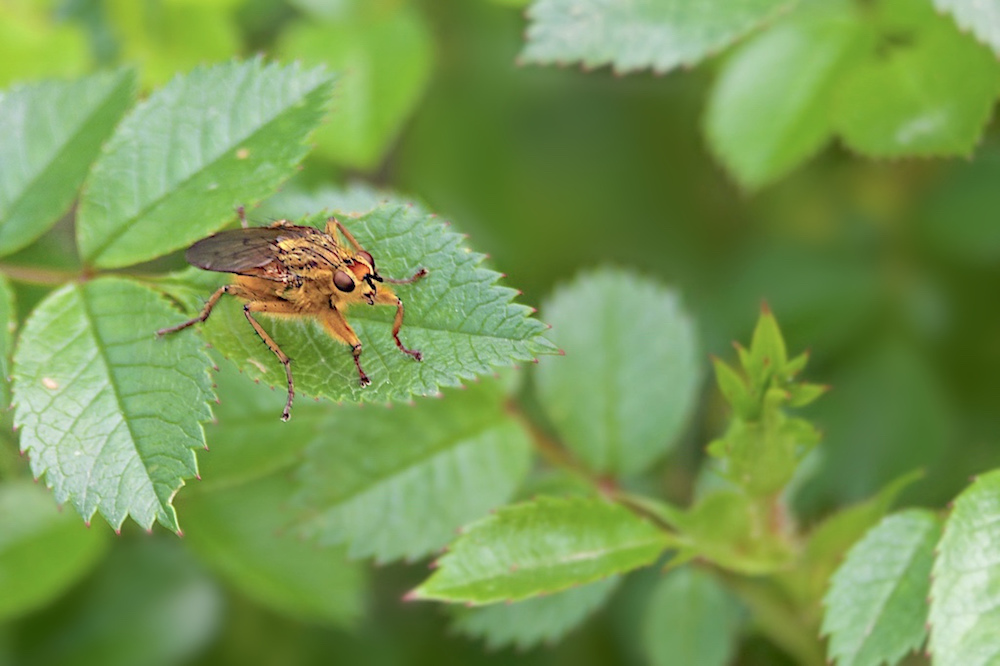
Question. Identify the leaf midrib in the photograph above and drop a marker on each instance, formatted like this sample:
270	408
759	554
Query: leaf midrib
130	222
88	313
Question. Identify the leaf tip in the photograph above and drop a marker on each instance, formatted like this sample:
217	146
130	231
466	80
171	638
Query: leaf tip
413	595
765	309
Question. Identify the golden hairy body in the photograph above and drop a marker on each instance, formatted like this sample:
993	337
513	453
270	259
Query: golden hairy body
291	270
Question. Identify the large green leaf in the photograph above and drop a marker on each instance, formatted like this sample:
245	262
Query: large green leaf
627	386
539	547
659	34
457	316
965	592
398	482
929	90
980	18
386	60
109	413
181	161
52	132
149	603
876	609
769	110
237	518
540	619
691	620
42	550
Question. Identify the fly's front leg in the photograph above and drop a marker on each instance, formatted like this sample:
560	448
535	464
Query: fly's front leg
274	307
386	297
207	310
333	225
338	328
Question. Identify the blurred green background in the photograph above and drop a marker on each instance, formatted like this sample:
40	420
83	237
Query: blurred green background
887	271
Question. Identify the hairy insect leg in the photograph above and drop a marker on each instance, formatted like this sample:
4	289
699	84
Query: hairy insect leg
410	280
386	297
338	328
274	307
205	311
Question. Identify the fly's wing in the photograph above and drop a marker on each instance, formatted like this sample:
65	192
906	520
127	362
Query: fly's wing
254	251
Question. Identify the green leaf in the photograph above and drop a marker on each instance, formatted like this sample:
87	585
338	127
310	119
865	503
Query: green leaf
149	603
982	19
165	37
540	547
965	594
109	413
769	110
691	620
658	34
181	161
398	482
527	623
386	58
876	610
458	317
928	91
237	520
629	381
36	537
52	132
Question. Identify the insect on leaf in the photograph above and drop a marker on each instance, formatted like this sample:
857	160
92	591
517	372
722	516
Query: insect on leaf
462	321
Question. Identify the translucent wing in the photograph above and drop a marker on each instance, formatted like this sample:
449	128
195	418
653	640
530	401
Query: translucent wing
245	251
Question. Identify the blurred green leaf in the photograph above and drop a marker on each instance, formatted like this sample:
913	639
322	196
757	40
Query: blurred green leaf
53	131
982	19
691	620
109	413
397	482
732	530
658	34
386	60
43	551
831	539
458	317
626	389
876	609
927	90
965	594
769	110
182	160
164	37
540	547
33	45
149	604
237	520
527	623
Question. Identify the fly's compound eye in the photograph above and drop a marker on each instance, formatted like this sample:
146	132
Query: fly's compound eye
367	257
343	281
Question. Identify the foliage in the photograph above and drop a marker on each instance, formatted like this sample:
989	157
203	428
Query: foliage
606	503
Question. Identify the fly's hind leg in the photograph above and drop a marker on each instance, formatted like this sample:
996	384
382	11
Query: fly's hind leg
232	289
274	307
337	327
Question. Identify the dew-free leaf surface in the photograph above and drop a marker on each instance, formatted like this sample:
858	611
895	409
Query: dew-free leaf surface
52	132
542	546
109	414
182	160
656	34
